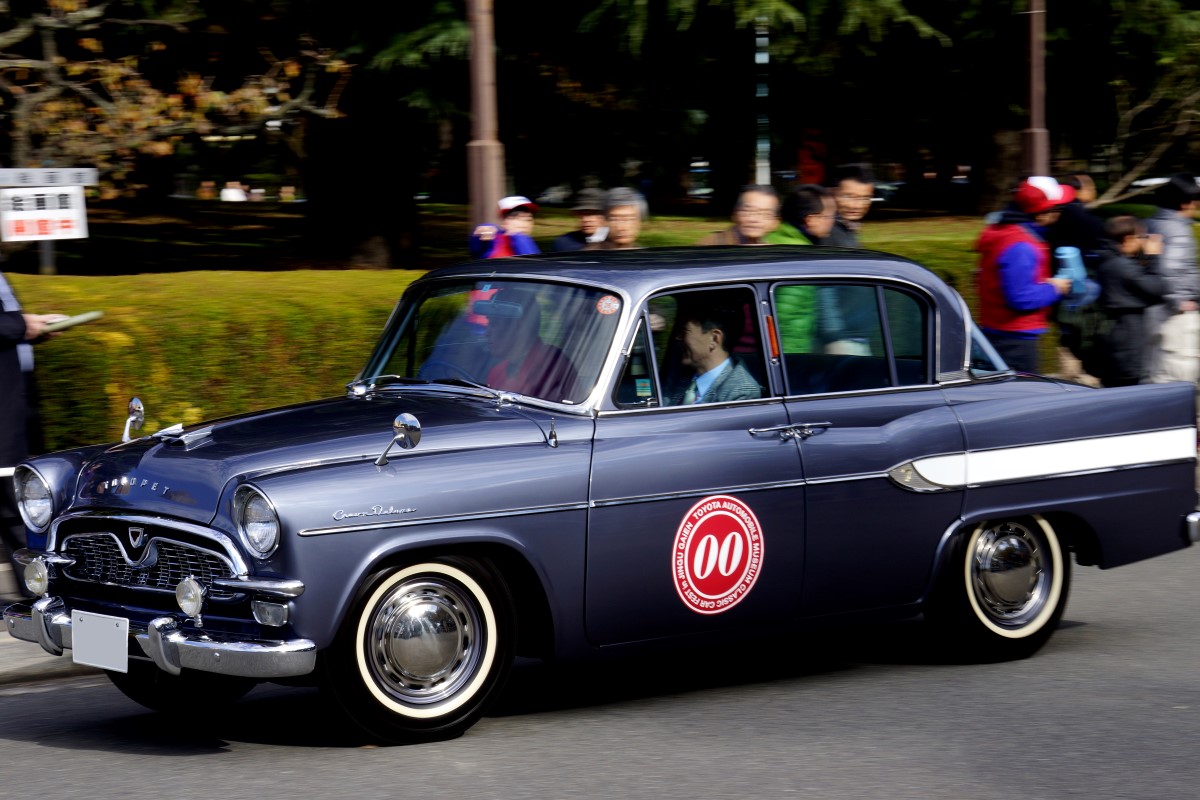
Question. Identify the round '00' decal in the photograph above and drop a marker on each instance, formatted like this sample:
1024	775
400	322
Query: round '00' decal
717	555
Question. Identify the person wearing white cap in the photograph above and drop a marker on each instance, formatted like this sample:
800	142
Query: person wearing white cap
513	236
1016	289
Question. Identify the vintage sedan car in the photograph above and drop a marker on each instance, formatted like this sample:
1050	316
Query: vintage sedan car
574	455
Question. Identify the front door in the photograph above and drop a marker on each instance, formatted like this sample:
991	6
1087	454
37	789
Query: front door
697	519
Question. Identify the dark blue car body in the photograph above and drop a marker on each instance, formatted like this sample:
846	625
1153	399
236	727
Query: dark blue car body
891	469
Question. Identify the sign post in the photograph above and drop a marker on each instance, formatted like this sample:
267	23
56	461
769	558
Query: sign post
44	204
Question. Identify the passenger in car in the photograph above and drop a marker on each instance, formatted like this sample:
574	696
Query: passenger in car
524	363
705	331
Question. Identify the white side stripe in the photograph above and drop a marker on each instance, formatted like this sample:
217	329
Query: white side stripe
1060	458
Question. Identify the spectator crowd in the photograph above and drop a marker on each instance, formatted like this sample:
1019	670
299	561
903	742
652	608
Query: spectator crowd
1122	292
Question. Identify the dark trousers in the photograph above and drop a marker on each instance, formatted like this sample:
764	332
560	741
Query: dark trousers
12	531
1020	354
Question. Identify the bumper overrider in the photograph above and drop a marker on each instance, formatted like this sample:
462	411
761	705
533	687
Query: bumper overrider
172	648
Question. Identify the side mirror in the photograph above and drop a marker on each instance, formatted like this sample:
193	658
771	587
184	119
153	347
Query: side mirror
407	430
137	416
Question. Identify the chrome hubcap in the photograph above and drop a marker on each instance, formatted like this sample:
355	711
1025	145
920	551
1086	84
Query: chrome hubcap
1010	573
423	640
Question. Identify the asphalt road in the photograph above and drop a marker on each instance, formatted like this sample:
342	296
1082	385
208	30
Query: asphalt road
1109	709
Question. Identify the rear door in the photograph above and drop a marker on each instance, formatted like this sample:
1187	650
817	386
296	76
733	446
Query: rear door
859	362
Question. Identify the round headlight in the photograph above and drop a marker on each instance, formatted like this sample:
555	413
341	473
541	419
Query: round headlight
34	499
256	521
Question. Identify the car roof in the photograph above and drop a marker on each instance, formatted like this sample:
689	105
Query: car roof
645	270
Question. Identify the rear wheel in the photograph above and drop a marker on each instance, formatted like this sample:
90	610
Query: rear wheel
188	692
1004	588
426	647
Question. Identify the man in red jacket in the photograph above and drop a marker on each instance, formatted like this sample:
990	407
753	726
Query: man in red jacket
1016	289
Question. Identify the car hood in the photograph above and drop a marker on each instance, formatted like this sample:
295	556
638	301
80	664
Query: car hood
184	475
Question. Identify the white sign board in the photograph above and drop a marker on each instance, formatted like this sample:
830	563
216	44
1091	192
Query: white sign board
50	176
42	213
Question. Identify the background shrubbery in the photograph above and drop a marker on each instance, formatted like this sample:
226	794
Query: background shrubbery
206	344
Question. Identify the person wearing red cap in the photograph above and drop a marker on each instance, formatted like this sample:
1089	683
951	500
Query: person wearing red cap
514	235
1016	289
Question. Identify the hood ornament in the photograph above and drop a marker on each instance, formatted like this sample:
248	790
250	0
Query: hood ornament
407	429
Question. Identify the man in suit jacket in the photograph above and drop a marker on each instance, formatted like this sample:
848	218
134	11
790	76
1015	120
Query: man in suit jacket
705	331
17	330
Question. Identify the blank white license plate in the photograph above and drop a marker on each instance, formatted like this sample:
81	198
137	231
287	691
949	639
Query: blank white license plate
99	640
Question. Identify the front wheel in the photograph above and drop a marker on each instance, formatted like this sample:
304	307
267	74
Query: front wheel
1004	588
424	650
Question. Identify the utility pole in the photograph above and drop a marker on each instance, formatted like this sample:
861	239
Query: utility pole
485	153
1036	138
762	60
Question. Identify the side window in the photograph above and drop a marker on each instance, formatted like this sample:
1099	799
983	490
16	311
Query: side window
842	337
707	346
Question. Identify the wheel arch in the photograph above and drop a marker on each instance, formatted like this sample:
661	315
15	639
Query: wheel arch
1075	533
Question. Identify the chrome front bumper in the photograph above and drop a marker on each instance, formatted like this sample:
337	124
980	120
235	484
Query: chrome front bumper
48	622
1193	527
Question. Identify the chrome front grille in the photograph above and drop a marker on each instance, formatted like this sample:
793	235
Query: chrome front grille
100	558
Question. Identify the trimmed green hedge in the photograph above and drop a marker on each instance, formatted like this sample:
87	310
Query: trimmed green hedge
200	345
195	346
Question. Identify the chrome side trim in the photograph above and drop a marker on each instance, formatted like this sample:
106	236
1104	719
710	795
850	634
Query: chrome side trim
515	512
171	647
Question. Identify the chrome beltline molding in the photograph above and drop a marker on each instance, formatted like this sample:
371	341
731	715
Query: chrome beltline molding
864	476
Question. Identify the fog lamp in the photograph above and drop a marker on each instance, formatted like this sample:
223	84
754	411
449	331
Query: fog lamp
271	614
37	577
189	594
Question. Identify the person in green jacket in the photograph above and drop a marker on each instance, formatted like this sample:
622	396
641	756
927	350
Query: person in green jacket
808	214
807	218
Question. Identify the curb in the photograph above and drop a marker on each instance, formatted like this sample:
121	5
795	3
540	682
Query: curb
24	662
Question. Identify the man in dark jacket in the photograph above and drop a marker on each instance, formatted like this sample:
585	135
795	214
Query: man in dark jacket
589	211
1129	284
17	331
854	191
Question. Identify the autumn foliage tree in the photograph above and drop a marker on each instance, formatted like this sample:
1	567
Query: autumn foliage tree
105	84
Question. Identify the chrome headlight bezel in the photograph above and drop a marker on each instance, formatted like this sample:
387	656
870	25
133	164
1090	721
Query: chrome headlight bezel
25	476
246	499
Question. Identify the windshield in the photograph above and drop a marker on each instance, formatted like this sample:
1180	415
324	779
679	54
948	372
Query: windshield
543	340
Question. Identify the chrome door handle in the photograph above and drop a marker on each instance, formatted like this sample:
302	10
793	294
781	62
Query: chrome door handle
799	430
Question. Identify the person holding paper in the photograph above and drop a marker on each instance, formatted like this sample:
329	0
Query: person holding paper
18	331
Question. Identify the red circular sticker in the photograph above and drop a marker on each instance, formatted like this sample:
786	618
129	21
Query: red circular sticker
608	305
717	555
